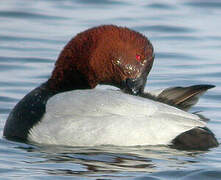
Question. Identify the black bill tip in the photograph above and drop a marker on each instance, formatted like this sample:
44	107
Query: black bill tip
134	86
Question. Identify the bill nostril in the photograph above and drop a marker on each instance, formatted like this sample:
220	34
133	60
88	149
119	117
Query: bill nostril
130	82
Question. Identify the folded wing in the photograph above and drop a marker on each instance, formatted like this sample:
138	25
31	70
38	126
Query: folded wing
181	97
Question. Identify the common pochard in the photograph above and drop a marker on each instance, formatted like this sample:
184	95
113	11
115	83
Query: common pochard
69	110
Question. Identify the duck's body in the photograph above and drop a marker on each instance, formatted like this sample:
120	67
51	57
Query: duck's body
98	117
63	111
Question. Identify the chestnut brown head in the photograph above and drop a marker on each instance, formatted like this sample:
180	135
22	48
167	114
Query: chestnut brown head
105	55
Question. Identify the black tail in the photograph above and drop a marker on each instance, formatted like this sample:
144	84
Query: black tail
199	138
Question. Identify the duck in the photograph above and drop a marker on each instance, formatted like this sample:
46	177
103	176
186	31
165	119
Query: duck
96	95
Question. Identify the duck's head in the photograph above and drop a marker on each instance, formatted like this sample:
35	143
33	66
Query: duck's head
104	55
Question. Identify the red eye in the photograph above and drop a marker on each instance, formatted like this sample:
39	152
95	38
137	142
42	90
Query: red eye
138	57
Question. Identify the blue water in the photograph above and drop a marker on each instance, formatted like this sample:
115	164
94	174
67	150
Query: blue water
187	40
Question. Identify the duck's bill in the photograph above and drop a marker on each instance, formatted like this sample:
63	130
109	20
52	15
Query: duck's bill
134	86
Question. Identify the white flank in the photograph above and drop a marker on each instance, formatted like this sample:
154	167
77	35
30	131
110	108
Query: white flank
99	116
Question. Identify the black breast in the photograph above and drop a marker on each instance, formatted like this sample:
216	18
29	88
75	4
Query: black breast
27	113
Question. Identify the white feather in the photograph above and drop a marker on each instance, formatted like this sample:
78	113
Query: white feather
99	116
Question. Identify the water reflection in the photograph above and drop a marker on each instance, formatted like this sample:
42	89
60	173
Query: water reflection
108	159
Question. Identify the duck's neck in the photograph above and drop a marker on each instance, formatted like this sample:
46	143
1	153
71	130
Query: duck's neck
68	82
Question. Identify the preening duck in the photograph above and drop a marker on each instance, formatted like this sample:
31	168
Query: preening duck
69	110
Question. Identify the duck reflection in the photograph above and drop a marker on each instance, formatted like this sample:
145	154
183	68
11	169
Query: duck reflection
112	160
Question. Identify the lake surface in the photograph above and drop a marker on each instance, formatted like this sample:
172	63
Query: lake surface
187	39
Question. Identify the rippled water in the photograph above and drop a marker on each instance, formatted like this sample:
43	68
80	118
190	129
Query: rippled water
187	40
